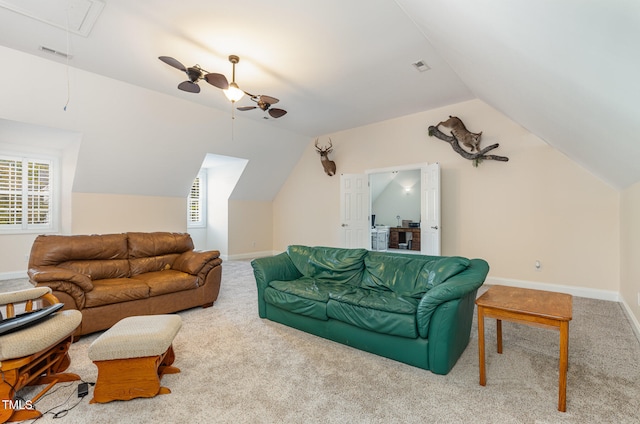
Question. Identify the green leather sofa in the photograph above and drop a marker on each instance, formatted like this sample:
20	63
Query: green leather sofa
411	308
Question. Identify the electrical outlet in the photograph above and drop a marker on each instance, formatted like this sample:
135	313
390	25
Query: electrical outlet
26	257
538	265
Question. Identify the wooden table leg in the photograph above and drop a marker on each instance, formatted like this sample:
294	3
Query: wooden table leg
483	373
499	334
564	364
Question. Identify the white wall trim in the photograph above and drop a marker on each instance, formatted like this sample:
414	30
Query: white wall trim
251	255
412	167
632	319
13	275
572	290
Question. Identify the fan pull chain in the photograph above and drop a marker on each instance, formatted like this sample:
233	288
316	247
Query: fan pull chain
233	120
67	60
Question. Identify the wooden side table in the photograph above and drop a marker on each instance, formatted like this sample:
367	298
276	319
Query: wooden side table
533	307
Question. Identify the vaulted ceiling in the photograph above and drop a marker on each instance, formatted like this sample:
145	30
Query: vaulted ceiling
565	70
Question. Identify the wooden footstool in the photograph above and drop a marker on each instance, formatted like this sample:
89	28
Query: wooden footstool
132	356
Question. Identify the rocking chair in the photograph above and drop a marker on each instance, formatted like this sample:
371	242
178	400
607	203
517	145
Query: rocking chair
34	355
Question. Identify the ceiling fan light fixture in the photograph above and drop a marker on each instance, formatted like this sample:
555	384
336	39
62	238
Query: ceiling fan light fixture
233	93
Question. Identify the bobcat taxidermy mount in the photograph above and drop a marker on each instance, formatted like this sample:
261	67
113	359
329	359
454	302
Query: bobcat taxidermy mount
459	131
461	135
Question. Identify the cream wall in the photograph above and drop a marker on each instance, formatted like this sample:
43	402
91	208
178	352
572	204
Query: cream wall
630	265
250	229
113	213
93	213
15	255
538	206
15	137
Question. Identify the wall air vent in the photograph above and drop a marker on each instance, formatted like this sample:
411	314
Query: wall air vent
75	16
421	66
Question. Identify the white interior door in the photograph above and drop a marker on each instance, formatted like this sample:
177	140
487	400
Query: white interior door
430	227
354	211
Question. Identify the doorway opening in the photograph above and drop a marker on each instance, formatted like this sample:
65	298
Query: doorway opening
222	174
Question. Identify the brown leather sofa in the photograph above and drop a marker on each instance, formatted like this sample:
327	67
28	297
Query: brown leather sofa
113	276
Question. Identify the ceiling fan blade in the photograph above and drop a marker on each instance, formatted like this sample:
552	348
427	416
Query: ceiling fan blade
217	80
277	113
171	61
269	99
247	107
190	87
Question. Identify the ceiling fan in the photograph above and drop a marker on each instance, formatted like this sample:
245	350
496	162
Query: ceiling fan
264	103
194	73
231	90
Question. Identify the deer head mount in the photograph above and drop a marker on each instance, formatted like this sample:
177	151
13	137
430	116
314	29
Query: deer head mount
328	165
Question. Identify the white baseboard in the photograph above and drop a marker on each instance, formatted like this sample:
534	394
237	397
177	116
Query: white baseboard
632	318
13	275
250	255
572	290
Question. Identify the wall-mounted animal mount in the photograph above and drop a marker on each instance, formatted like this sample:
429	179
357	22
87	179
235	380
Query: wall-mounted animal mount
459	131
460	134
328	165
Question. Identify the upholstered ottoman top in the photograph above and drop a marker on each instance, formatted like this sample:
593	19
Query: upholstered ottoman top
136	337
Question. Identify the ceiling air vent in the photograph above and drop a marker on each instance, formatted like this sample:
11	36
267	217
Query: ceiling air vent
56	52
76	16
421	66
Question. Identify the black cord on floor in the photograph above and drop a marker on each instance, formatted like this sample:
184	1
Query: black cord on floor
63	412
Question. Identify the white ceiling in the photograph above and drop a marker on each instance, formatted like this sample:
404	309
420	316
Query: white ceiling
565	70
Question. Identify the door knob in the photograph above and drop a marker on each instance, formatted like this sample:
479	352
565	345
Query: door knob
435	228
345	225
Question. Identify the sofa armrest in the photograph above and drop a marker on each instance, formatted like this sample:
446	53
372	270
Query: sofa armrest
47	274
272	268
456	287
193	261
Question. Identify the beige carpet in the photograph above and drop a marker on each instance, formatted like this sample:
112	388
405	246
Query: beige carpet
237	368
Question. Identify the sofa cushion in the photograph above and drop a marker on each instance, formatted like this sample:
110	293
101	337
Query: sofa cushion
310	288
99	269
192	262
300	255
409	276
115	290
152	263
443	269
167	281
329	263
55	249
305	296
401	274
296	304
382	312
382	301
144	245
